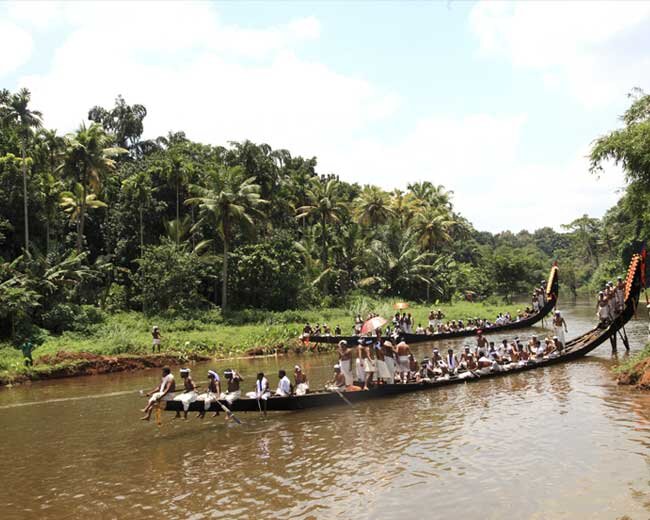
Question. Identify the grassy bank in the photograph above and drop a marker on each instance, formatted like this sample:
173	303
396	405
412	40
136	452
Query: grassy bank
128	335
636	370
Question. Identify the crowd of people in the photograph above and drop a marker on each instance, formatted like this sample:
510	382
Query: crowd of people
404	323
611	301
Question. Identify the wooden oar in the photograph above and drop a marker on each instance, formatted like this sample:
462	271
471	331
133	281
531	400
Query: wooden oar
342	396
228	412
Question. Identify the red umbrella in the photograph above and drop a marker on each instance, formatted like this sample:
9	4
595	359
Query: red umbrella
373	324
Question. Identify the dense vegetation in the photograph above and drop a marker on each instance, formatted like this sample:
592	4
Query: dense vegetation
103	221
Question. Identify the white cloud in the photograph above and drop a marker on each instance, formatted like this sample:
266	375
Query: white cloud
597	51
16	47
478	158
223	82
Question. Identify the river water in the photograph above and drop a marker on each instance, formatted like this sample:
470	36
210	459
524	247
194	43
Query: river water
561	442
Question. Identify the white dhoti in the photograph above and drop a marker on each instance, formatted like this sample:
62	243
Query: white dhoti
559	332
361	373
230	397
346	370
158	396
186	398
382	370
208	398
404	365
390	365
302	388
369	365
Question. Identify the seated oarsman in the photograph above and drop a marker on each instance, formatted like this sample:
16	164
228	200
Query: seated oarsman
163	392
262	390
233	386
483	360
451	361
419	329
284	385
189	394
338	382
439	365
211	394
403	353
558	345
300	380
337	331
533	345
414	373
464	356
540	350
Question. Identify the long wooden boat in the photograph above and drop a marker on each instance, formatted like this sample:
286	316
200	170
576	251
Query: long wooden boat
575	348
552	288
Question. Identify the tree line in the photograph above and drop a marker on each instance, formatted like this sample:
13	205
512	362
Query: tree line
102	217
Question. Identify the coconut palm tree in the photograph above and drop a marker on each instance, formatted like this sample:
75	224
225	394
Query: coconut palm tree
14	109
325	207
229	200
372	207
89	156
76	202
431	226
402	205
396	271
49	146
139	188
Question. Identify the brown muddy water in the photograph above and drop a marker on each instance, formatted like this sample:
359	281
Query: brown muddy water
561	442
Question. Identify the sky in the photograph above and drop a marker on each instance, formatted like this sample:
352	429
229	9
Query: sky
498	102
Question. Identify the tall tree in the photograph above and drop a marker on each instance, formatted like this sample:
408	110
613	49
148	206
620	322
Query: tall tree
139	187
89	155
124	121
14	108
325	207
76	202
229	200
372	207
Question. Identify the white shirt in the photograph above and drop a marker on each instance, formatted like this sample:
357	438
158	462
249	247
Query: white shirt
284	386
163	384
262	386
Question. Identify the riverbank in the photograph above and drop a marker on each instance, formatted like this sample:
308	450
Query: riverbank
123	341
636	370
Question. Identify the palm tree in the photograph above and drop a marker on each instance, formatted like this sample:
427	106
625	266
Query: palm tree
406	267
14	109
372	207
402	205
75	203
139	187
432	225
230	200
49	147
324	207
427	193
90	156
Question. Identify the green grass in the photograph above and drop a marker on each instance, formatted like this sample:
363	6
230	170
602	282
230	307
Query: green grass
630	364
210	334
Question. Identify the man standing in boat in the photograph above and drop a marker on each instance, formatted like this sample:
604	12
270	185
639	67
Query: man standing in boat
345	362
403	353
165	392
560	327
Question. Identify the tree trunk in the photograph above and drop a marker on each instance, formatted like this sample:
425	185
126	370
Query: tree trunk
47	235
224	274
23	153
82	216
324	253
141	232
178	218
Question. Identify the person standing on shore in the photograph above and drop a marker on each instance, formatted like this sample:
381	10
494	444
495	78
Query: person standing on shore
27	348
155	334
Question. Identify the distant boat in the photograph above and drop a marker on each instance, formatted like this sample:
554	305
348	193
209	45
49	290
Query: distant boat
552	288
